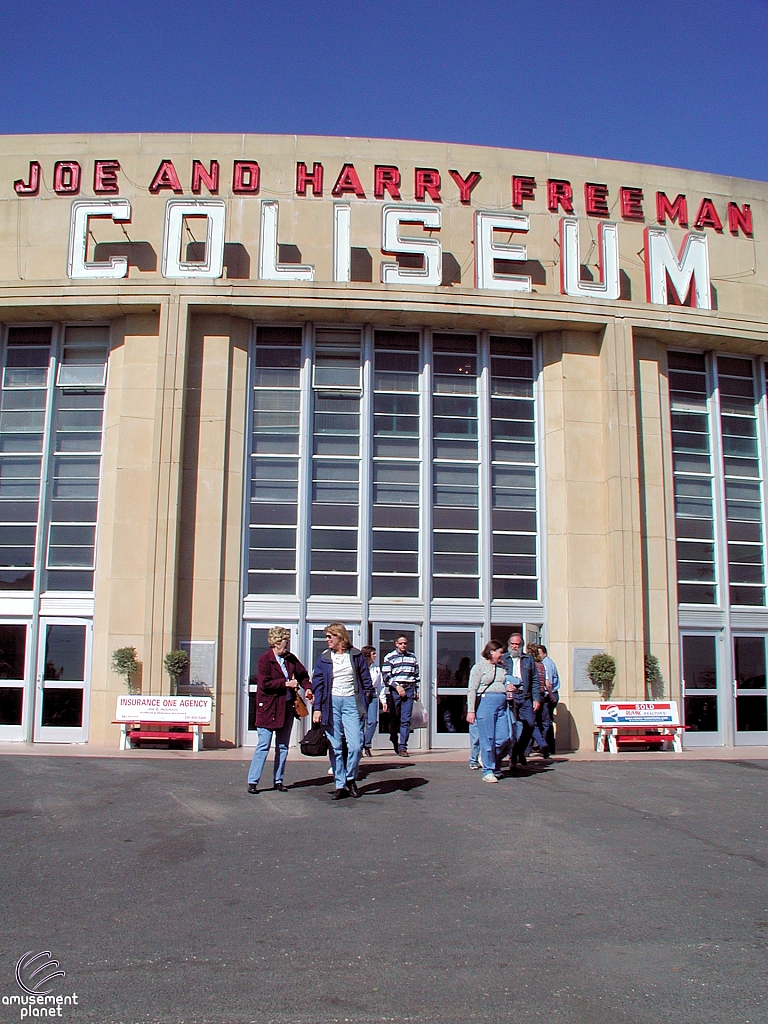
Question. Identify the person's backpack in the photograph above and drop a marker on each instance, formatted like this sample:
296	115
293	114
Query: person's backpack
315	743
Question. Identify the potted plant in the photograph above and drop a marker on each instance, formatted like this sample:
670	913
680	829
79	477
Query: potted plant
176	663
126	664
602	672
654	681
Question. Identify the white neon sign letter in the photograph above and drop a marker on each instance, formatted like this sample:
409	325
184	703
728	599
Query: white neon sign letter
342	245
662	263
430	250
214	212
269	268
83	210
486	251
608	287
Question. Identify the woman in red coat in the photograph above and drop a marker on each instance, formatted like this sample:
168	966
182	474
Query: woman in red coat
278	676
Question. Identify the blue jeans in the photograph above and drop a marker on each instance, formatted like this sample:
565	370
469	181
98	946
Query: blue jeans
345	721
403	710
282	739
491	718
474	743
371	721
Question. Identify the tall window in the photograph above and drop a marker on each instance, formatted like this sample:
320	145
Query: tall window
693	478
455	466
513	470
396	465
22	429
335	463
274	461
78	414
68	456
743	480
696	436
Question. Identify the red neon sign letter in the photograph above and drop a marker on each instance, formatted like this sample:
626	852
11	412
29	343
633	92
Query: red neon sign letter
245	178
304	178
202	177
596	199
523	187
31	187
66	177
707	216
165	177
677	211
631	200
559	193
348	181
740	218
466	185
386	179
105	177
427	182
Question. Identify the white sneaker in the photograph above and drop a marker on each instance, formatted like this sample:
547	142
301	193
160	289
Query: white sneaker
330	771
490	778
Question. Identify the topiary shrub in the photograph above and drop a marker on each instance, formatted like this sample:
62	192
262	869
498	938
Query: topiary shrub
125	664
176	663
602	672
654	681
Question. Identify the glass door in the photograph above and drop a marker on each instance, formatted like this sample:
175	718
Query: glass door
256	644
702	709
63	681
15	669
455	651
384	636
749	690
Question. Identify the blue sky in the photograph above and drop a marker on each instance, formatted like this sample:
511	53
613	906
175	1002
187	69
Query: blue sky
678	83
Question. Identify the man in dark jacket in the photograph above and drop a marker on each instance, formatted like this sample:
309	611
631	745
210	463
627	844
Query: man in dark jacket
342	688
278	676
523	689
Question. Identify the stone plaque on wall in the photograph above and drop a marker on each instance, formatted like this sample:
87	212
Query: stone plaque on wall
201	677
581	658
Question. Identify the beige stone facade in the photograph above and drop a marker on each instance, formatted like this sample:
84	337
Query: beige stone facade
174	474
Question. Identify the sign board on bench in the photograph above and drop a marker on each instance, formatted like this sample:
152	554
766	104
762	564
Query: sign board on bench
145	708
630	720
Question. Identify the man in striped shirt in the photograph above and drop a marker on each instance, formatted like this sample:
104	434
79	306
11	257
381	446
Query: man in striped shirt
400	671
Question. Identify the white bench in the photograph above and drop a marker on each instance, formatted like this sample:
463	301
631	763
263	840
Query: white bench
651	723
162	719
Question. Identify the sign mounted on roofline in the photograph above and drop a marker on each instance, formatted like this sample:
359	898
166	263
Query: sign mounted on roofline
411	221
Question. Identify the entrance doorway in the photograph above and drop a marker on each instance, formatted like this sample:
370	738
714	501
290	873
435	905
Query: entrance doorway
16	666
63	681
749	689
454	652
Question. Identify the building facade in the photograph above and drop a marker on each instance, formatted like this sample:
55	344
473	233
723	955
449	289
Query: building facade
441	390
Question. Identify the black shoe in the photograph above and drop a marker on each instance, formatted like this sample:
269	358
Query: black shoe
352	788
280	787
522	759
367	751
339	794
545	753
252	787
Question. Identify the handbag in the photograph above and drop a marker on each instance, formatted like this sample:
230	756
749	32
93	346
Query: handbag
299	706
315	743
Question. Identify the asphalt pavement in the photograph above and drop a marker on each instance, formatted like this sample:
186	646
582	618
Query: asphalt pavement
583	892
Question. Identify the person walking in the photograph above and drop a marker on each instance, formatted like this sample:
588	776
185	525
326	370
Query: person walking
487	701
540	717
372	719
400	670
553	697
342	688
523	690
278	676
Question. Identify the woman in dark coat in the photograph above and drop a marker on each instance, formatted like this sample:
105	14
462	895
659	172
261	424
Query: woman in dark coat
278	676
